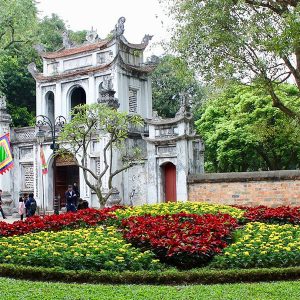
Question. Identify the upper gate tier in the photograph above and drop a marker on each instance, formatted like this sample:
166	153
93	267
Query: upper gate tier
93	56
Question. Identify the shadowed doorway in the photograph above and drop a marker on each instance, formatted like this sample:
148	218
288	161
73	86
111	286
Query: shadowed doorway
66	173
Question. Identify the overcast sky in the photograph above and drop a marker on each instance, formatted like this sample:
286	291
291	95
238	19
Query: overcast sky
142	17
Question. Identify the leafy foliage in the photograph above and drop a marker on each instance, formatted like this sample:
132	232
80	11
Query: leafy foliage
244	132
248	40
172	77
184	240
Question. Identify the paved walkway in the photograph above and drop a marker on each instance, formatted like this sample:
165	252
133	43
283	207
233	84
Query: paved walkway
9	219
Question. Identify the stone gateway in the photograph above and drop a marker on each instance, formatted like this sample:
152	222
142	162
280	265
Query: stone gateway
110	71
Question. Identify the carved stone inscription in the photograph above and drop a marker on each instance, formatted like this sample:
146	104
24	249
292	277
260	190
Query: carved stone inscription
166	150
27	177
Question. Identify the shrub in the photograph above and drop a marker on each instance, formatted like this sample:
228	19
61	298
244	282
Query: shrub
196	276
95	248
184	240
281	215
170	208
262	245
82	218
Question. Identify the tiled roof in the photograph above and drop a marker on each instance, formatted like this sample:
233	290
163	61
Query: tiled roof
72	51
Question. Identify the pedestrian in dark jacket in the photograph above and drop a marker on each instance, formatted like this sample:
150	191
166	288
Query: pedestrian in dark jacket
30	205
71	199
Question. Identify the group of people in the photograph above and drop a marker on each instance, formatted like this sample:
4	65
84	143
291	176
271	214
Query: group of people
73	200
27	205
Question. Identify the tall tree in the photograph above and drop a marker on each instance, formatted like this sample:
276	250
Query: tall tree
20	30
18	20
255	41
172	77
91	123
243	132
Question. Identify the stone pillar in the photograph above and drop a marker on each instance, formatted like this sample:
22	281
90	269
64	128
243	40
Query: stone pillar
5	179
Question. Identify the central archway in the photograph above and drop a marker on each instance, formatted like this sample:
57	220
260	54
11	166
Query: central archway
78	96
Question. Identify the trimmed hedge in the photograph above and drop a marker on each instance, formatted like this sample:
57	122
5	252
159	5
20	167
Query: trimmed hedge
196	276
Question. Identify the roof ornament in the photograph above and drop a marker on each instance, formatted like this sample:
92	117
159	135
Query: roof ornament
119	28
32	69
92	36
39	48
185	105
66	40
146	39
107	93
2	102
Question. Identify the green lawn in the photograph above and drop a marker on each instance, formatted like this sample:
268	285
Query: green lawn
18	289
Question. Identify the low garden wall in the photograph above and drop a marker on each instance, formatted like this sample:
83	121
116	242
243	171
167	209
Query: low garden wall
270	188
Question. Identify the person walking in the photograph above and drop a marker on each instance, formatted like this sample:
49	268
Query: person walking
1	209
21	208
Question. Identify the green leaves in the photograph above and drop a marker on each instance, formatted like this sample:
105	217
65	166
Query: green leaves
172	77
243	132
249	41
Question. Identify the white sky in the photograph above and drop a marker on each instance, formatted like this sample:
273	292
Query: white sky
142	17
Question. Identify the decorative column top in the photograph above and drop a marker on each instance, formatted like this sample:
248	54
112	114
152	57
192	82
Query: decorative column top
2	103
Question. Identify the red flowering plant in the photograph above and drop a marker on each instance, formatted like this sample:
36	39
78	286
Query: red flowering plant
184	240
276	215
82	218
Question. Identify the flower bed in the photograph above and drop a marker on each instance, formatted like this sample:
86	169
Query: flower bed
184	240
87	248
281	215
82	218
262	245
198	208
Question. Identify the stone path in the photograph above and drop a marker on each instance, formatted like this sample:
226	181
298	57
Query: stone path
9	219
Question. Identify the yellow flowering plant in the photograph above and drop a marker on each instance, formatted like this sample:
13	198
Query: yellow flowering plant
198	208
262	245
95	248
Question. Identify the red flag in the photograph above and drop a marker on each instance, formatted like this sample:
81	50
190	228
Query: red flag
43	161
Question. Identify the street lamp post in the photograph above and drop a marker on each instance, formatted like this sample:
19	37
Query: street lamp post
58	123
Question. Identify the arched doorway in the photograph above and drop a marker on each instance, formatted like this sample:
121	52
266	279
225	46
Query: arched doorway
169	175
66	173
78	96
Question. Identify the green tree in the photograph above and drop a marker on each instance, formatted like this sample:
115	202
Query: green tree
50	32
172	77
17	23
20	31
91	123
256	41
243	132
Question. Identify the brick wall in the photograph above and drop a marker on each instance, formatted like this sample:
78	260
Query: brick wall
272	188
